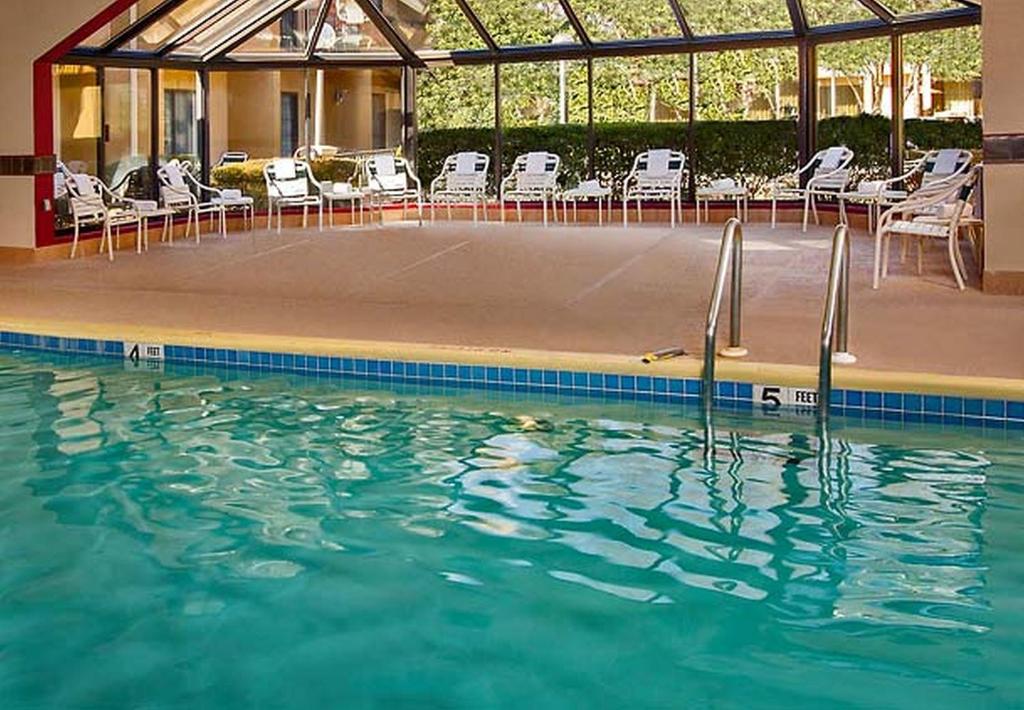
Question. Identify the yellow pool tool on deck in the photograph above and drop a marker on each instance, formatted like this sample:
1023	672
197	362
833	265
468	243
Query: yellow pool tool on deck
665	354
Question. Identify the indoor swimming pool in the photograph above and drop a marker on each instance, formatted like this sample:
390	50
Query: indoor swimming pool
186	536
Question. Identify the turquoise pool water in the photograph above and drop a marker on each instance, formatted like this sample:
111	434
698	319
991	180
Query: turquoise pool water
186	539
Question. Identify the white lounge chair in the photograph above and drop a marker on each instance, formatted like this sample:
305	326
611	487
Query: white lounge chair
534	177
291	183
390	180
933	214
657	175
232	157
931	172
829	175
92	202
176	193
463	178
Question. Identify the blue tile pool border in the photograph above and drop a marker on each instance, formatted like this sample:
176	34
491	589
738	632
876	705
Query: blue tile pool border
907	407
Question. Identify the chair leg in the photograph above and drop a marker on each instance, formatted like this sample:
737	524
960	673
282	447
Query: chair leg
885	254
773	213
814	209
74	242
110	244
625	211
878	260
956	261
270	215
807	209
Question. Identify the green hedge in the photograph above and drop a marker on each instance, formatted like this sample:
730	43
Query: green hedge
248	176
755	151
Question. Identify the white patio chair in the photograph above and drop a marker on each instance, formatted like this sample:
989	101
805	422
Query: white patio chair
463	178
931	172
291	183
231	199
829	172
657	175
534	177
92	202
934	214
390	180
176	193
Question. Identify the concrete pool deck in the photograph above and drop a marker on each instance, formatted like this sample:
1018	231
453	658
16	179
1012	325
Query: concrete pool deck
601	292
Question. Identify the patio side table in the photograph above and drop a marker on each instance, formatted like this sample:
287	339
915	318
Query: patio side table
587	190
343	192
725	191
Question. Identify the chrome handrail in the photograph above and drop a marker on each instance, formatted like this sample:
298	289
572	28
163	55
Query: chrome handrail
732	246
835	321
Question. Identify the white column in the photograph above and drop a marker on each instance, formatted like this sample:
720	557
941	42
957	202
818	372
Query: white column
318	110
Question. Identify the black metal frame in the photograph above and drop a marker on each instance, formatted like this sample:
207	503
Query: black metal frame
885	23
801	35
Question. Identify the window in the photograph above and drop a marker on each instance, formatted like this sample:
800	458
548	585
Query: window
179	122
289	122
380	121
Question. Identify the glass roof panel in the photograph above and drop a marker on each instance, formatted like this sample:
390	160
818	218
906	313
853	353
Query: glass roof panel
119	23
608	21
912	7
184	17
525	22
432	24
720	17
289	34
835	12
349	29
236	18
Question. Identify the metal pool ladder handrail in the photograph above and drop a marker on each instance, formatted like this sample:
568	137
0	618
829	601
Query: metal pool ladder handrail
835	321
731	250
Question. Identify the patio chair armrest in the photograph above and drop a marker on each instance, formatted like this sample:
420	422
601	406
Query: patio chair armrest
435	182
822	177
412	176
917	202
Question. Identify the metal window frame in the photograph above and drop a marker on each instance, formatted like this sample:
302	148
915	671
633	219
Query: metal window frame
879	10
391	34
165	56
318	27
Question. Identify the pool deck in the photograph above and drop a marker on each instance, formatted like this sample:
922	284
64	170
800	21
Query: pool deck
600	292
